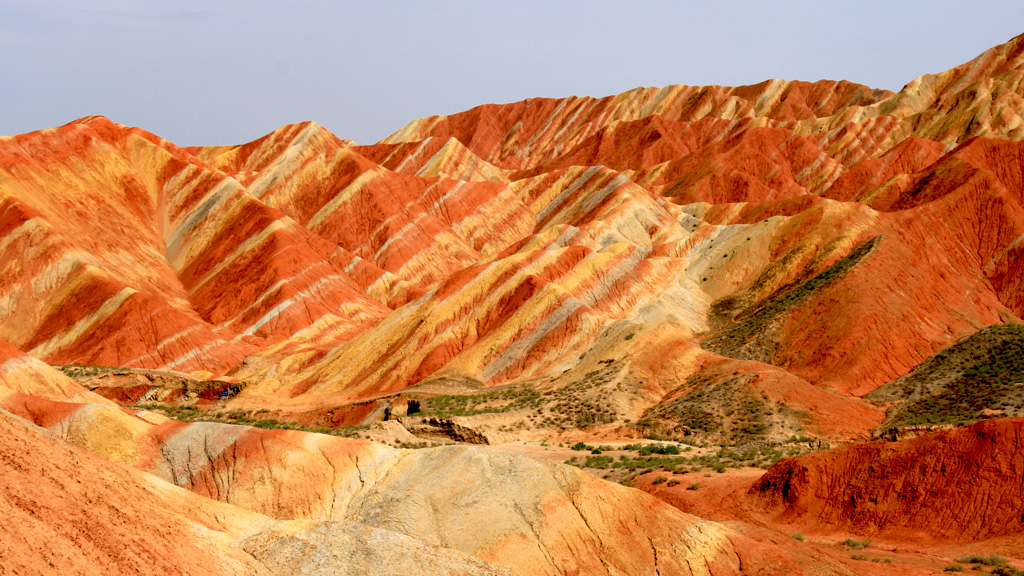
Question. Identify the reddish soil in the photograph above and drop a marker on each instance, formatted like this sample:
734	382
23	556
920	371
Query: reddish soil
929	499
67	510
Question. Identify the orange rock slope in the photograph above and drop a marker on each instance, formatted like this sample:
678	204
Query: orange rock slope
678	260
961	484
780	224
96	489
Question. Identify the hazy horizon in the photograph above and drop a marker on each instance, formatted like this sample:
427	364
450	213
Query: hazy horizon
227	73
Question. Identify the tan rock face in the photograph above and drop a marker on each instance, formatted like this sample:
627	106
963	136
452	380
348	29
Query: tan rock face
342	549
537	517
449	504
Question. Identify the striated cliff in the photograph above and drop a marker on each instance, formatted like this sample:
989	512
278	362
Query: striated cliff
960	484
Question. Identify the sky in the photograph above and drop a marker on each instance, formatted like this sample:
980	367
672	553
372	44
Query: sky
227	72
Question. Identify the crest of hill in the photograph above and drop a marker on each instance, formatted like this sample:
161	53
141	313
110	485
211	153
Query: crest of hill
24	374
522	135
982	97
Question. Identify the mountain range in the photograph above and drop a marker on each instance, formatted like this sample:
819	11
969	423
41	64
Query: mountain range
212	345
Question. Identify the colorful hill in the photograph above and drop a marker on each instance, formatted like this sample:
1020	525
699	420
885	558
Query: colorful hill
777	223
961	484
720	266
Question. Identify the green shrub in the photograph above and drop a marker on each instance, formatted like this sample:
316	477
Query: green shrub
953	568
600	462
992	560
663	449
660	480
798	536
855	544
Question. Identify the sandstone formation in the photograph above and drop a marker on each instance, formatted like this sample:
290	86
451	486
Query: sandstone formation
66	509
721	265
428	509
777	223
960	484
24	374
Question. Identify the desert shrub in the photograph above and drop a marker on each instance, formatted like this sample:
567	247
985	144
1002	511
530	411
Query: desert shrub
798	536
953	568
858	557
600	462
268	424
663	449
992	560
694	487
672	482
660	480
855	544
495	401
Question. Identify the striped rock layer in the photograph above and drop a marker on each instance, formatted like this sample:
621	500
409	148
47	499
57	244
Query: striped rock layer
826	235
99	489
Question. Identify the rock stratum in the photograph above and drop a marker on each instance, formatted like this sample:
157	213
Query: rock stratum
962	484
96	489
721	265
780	223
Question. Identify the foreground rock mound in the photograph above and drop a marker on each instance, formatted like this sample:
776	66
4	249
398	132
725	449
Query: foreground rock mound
961	484
530	516
69	510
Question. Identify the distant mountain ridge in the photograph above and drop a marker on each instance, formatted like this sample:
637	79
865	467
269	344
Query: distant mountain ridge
527	242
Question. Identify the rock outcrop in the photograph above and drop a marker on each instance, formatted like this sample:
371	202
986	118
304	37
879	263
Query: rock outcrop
340	496
960	484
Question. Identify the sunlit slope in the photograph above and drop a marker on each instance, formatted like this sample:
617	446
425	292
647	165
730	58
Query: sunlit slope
831	234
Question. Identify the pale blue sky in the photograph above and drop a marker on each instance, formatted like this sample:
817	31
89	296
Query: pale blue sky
226	72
